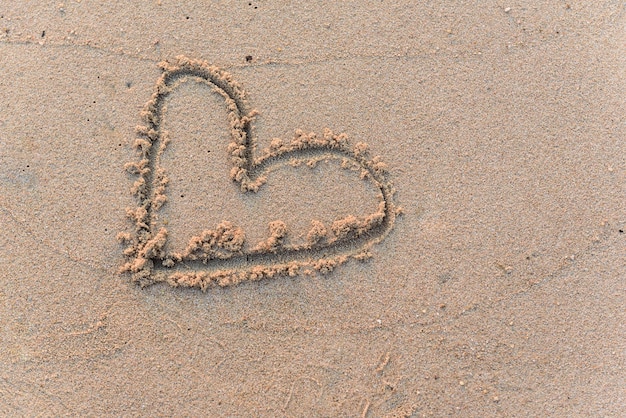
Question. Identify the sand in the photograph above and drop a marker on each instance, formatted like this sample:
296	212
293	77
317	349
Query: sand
361	209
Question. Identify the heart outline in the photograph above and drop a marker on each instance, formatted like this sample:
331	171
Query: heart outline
148	263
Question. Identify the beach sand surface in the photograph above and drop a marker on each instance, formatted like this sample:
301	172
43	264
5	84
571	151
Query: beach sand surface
499	290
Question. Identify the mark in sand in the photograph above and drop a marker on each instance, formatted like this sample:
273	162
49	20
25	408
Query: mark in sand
220	256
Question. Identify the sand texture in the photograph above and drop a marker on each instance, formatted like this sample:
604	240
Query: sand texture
313	209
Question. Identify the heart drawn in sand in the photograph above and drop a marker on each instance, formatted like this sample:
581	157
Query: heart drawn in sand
220	256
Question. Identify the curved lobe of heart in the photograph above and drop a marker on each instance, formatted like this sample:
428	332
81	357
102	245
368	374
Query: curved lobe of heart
221	256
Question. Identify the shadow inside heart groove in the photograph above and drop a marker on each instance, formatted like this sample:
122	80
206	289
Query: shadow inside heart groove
221	256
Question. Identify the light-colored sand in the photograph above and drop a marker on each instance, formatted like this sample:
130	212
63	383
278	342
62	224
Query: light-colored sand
499	291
